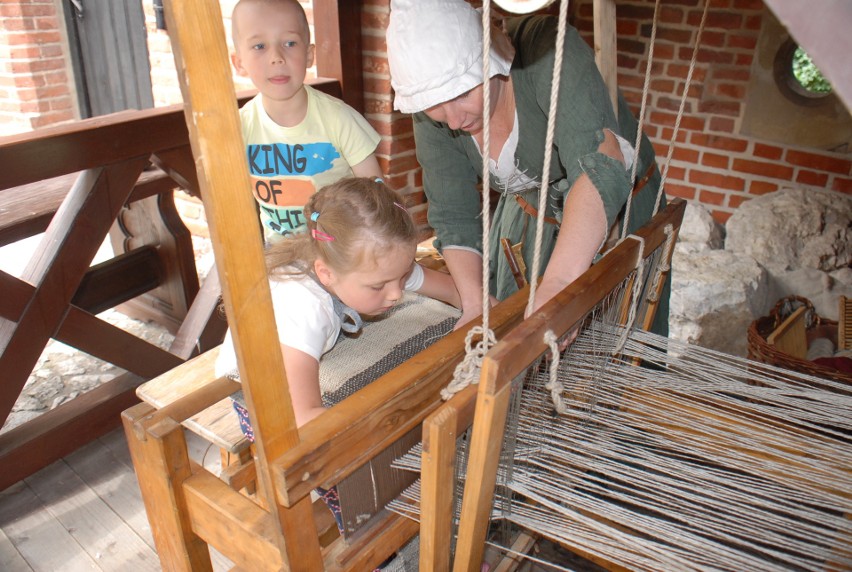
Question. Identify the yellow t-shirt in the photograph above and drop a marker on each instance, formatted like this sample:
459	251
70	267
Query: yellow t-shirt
289	164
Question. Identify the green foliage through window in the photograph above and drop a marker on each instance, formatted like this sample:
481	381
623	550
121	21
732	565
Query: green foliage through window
807	74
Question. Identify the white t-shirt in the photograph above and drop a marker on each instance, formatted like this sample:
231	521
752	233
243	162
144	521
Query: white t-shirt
304	316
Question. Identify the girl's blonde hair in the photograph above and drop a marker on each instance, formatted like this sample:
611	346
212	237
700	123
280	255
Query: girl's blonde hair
348	222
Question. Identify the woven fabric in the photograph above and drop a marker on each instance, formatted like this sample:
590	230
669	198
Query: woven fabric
383	343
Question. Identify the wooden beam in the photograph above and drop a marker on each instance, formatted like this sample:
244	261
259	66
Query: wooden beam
605	47
337	26
202	61
49	437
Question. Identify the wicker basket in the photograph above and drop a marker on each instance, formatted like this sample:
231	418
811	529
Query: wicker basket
760	350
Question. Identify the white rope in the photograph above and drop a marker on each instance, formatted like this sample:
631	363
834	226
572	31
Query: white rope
467	372
711	462
554	386
680	110
544	192
641	119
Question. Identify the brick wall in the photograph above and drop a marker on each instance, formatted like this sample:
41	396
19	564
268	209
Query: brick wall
34	81
712	162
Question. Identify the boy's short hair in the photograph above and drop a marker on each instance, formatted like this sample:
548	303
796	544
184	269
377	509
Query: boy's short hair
302	16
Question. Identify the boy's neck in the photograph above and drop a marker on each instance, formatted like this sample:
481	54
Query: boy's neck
288	112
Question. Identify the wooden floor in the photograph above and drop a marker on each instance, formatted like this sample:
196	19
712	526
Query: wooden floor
85	512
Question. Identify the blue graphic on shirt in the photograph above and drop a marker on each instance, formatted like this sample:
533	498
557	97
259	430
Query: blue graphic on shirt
276	159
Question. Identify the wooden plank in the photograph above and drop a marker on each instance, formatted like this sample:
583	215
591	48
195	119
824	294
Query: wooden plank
202	60
217	423
789	337
162	465
41	539
97	467
10	559
29	447
605	47
68	248
492	403
99	530
114	445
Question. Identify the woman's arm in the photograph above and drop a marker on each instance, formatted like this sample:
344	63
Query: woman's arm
583	230
303	379
465	267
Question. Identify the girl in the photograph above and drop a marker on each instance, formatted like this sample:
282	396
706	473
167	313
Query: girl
356	258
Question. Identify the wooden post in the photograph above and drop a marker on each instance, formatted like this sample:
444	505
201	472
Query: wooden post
201	58
605	47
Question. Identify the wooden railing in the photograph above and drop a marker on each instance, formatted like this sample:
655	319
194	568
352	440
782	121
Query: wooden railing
111	176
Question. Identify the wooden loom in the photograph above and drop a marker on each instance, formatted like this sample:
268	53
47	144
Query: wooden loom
190	508
187	506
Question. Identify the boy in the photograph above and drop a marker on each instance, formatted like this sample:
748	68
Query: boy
297	139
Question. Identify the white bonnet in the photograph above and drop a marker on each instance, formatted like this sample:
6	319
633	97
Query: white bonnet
435	52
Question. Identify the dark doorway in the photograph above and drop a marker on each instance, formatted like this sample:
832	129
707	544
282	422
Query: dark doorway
109	54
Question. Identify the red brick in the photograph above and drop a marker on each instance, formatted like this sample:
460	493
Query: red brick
731	108
681	191
627	62
714	160
716	180
379	85
842	184
685	155
761	188
812	178
731	90
722	124
680	70
402	163
667	133
819	162
711	198
377	106
713	39
719	142
705	56
730	74
676	173
726	20
669	15
767	151
764	169
743	60
756	5
625	27
371	43
376	64
400	145
674	35
735	201
721	217
743	42
664	52
671	104
753	22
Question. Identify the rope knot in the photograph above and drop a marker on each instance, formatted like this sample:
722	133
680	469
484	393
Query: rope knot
467	372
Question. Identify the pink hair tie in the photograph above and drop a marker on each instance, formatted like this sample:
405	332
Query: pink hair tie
321	236
401	206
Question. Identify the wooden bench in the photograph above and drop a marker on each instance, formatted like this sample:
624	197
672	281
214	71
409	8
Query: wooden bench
218	423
